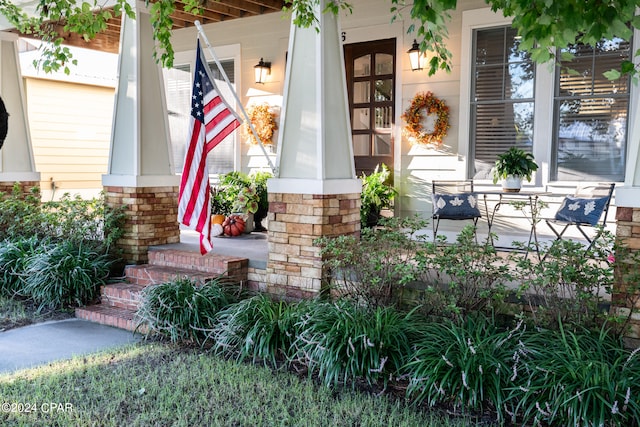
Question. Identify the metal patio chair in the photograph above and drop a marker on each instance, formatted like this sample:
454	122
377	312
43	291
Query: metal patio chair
453	200
586	210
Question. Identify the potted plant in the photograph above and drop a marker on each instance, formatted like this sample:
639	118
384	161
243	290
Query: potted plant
236	193
259	181
512	166
377	194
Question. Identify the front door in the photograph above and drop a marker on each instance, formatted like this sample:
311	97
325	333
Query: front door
370	71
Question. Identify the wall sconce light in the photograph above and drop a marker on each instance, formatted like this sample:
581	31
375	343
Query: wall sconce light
262	70
415	56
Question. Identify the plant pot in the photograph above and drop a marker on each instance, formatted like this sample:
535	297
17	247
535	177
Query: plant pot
512	184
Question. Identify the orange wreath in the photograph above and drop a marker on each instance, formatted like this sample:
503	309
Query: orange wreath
425	104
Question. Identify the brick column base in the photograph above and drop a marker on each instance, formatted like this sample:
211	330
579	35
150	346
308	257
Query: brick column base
25	187
623	298
294	266
150	213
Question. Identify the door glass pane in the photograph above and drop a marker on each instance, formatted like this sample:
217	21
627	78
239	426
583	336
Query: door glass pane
384	117
384	90
384	63
362	66
361	92
360	118
382	145
361	145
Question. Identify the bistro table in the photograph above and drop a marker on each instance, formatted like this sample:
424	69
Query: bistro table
519	200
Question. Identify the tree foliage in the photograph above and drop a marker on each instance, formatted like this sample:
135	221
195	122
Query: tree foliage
544	25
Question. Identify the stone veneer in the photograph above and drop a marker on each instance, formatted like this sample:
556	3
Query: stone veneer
150	218
294	266
628	231
26	186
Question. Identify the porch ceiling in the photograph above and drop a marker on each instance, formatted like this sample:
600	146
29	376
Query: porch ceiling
214	11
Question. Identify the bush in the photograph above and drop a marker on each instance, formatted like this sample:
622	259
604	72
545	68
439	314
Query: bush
577	378
567	287
183	310
258	328
464	364
65	274
373	269
14	257
344	343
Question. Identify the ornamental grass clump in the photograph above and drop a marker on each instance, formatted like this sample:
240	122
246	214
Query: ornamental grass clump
344	343
577	378
258	328
65	275
183	310
468	365
14	256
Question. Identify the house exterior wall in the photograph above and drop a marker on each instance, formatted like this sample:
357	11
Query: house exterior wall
70	130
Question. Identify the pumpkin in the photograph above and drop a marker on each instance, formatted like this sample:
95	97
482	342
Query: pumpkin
233	226
216	229
217	219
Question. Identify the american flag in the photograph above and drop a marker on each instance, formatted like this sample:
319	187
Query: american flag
212	120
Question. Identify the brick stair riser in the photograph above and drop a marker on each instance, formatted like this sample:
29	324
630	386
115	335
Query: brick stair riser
145	276
118	318
116	296
216	265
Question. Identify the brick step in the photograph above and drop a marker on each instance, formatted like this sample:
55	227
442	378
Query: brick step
145	275
214	264
111	316
122	295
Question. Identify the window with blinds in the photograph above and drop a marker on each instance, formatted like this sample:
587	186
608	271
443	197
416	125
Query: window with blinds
178	83
590	114
502	98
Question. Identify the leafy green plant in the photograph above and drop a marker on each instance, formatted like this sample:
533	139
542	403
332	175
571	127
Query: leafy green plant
469	276
568	287
14	257
65	274
373	269
184	309
515	162
258	328
377	194
466	364
576	378
235	192
344	343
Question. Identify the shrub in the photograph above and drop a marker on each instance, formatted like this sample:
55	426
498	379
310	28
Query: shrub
469	276
344	342
567	287
65	274
258	328
577	378
465	364
183	309
14	258
374	268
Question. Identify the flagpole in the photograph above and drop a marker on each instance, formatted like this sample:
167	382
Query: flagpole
244	112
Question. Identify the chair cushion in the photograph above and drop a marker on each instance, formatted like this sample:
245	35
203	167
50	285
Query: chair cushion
455	206
582	211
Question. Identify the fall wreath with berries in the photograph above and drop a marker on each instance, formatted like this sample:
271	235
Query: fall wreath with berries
422	105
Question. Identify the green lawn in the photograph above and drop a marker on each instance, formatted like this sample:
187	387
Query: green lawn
156	384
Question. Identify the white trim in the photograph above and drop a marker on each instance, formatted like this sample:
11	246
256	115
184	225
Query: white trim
628	197
19	176
314	186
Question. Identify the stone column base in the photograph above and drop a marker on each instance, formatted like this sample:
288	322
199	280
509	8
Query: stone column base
6	187
150	218
626	295
294	266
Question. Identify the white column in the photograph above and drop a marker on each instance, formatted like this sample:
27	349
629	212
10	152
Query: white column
16	156
315	154
140	154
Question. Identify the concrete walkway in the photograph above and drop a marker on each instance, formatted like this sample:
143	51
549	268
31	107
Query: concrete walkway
46	342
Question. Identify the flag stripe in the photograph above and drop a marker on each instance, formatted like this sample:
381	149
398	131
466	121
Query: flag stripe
212	120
